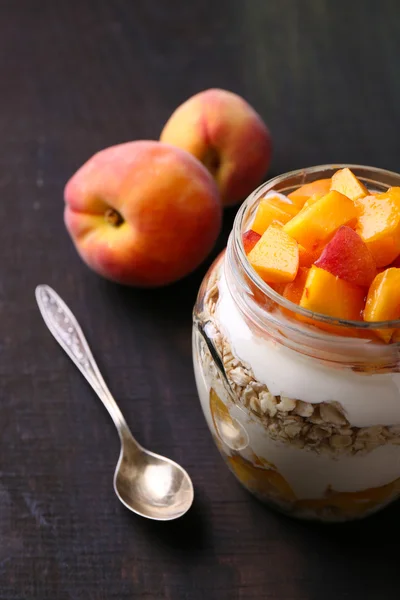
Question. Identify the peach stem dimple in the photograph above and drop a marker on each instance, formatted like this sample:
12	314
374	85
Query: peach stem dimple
212	161
113	217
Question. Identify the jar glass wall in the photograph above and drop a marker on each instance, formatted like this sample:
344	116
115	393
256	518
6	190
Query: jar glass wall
307	418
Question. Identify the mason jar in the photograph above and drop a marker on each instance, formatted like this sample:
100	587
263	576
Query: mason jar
305	411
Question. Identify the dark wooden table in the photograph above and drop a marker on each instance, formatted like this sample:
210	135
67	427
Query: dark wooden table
78	76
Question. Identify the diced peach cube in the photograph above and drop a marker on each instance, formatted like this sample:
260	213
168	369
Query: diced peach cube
278	287
312	199
319	188
273	209
345	182
348	257
250	239
385	249
395	262
326	294
394	192
283	202
383	300
315	224
308	257
276	256
293	291
379	225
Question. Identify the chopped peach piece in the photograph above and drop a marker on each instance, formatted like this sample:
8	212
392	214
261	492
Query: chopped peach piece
250	239
394	263
347	256
260	297
379	225
219	411
345	182
273	208
263	481
383	300
326	294
355	504
393	192
283	202
317	223
308	257
226	426
278	287
385	249
312	199
293	291
320	187
276	256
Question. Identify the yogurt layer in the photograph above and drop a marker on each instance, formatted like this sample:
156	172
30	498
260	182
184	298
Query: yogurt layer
309	474
367	399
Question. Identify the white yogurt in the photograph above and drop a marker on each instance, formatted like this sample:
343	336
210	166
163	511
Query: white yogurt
309	474
366	399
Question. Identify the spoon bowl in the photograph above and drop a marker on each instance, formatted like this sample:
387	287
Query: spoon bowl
150	485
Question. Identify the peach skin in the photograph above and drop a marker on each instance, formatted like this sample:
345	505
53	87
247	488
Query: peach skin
143	213
226	134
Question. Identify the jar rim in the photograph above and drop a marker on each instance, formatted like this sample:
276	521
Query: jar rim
383	177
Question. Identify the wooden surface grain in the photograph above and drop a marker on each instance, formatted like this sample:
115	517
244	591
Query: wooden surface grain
75	77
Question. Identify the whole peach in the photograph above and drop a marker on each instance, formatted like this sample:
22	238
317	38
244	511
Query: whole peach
227	135
143	213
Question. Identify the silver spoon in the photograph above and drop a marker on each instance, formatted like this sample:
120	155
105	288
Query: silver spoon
148	484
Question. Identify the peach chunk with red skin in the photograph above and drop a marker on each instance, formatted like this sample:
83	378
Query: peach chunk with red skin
143	213
348	257
275	257
227	135
250	239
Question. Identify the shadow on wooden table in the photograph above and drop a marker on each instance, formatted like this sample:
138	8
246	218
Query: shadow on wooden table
354	556
189	535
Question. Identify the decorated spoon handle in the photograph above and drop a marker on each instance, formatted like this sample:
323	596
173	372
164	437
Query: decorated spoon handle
65	328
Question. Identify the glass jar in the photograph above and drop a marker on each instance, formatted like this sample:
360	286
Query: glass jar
307	417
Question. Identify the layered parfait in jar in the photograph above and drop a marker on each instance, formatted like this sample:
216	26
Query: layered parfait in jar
296	343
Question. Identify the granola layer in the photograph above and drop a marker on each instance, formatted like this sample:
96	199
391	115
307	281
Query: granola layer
321	428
